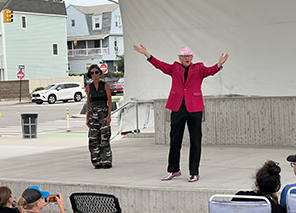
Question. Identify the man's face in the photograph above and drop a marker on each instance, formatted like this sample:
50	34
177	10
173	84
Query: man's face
185	60
294	168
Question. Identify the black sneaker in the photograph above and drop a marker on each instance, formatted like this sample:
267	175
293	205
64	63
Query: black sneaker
107	166
99	166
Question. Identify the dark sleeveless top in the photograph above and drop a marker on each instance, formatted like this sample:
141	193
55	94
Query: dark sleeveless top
98	97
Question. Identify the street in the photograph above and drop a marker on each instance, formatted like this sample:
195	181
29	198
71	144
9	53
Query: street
51	117
11	114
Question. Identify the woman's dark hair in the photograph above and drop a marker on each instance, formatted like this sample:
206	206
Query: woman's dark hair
5	194
268	178
91	67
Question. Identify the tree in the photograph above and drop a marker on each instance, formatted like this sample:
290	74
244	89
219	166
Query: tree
120	63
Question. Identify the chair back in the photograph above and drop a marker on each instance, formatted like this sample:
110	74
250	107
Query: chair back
94	203
291	200
222	206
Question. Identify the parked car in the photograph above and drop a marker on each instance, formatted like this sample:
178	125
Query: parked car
117	87
59	92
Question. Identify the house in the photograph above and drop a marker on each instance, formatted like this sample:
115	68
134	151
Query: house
94	36
35	41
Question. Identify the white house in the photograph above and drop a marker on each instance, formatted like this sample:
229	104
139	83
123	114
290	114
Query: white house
35	40
95	36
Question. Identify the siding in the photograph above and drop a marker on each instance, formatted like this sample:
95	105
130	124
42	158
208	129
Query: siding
80	22
33	46
114	29
78	65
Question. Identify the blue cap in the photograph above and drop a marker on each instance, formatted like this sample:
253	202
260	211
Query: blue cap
44	194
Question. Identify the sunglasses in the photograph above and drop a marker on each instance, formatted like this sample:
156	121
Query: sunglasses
97	72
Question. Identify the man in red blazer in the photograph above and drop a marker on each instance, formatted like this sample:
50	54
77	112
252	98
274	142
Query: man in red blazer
186	102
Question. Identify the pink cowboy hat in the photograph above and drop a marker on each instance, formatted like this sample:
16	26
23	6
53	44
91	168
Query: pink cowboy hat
185	51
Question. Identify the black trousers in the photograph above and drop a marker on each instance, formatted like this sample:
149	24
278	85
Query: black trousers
178	120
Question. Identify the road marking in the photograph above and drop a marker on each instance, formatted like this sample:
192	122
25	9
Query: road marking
9	113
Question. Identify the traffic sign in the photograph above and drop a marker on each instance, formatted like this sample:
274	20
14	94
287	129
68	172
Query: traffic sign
20	75
104	68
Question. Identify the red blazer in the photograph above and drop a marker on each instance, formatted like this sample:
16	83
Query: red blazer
191	91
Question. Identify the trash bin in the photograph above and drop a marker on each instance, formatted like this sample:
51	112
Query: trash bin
29	125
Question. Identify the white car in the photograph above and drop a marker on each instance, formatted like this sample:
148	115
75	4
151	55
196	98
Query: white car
59	92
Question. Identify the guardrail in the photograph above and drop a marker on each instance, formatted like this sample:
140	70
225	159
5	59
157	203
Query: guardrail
137	113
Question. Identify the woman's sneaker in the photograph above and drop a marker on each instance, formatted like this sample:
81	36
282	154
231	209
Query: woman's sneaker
193	178
172	175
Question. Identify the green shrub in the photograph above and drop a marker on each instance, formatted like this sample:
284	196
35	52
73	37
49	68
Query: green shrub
38	88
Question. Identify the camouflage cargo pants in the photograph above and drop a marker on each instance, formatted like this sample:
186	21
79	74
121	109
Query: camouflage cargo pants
99	137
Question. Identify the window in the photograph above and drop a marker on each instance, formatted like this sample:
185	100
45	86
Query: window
97	23
87	65
73	23
71	85
24	22
118	21
55	49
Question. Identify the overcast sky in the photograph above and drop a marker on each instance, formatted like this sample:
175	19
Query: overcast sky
86	2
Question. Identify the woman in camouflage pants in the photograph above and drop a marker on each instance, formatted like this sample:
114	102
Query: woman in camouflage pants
98	119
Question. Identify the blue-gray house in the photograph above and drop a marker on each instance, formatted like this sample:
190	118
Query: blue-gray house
95	36
36	40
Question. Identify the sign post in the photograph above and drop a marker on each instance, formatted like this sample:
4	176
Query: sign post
20	75
104	68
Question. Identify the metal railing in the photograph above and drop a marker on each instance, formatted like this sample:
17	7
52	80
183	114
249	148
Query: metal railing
88	52
125	105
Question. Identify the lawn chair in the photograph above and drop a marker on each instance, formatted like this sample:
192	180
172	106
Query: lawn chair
291	201
94	203
222	206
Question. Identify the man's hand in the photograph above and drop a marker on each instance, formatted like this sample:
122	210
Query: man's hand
222	59
142	50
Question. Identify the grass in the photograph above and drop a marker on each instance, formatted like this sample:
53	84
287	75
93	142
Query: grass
116	99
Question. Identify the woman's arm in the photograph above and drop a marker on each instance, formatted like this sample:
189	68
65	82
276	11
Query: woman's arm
87	105
109	100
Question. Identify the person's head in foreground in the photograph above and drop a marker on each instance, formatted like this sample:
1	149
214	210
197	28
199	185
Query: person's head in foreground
268	179
6	197
33	199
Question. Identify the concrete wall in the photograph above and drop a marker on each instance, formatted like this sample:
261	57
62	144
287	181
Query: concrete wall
267	121
11	89
131	199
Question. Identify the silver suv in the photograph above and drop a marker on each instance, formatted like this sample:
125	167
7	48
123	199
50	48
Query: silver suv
59	92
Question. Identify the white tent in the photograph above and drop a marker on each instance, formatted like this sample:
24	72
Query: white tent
259	35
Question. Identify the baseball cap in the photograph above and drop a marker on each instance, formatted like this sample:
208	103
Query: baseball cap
291	158
33	193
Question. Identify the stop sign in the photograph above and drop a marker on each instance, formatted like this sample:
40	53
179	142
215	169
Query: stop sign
104	68
20	75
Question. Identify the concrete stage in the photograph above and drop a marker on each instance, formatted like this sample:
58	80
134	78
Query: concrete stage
60	162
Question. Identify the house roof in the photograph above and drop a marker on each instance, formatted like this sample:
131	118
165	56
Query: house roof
86	37
96	10
3	3
35	6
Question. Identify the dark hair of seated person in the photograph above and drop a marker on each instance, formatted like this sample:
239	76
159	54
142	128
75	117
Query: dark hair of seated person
267	182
